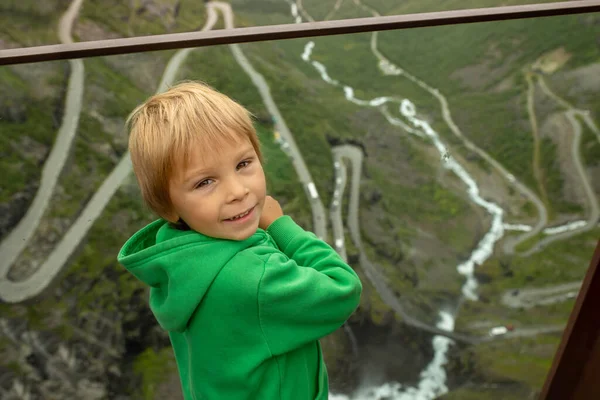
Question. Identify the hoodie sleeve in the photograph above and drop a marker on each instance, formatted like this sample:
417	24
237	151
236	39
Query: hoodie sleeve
306	292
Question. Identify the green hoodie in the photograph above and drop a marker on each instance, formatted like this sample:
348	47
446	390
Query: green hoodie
245	317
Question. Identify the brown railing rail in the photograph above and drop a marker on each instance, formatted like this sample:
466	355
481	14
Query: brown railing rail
574	374
290	31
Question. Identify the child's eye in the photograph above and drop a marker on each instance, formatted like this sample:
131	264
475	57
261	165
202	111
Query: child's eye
243	164
204	183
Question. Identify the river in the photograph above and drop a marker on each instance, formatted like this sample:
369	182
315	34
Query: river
433	377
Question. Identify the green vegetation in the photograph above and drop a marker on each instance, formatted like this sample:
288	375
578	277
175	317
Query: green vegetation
136	19
500	124
282	181
525	360
27	125
484	393
28	23
370	301
120	95
527	244
154	368
590	145
463	45
562	261
217	67
442	205
393	8
553	180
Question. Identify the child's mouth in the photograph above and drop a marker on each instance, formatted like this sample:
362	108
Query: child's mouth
241	217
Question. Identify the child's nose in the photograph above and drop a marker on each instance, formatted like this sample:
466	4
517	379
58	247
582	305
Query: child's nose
237	190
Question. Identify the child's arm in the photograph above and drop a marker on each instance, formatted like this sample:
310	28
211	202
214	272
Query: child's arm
305	293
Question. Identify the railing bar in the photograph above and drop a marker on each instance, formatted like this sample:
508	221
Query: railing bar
576	347
290	31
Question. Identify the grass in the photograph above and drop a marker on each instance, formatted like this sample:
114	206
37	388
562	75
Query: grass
468	393
590	145
525	360
125	20
123	216
282	181
87	170
498	125
94	151
527	244
553	180
121	96
24	115
443	205
388	8
153	367
494	126
462	45
557	263
30	23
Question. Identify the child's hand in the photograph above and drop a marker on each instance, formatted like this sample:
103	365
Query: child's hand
271	211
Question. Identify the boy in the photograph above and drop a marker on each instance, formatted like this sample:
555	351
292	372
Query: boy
244	293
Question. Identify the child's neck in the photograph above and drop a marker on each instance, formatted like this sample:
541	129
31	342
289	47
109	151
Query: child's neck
180	225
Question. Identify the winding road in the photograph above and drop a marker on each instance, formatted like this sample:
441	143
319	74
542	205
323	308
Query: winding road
528	298
592	200
434	375
388	68
355	156
585	114
316	204
18	238
593	206
14	292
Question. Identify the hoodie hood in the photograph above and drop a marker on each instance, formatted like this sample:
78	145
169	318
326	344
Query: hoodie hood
179	266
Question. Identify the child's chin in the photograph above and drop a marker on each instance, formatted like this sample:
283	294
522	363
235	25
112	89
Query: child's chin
243	235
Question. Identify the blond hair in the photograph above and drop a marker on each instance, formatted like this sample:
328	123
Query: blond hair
164	128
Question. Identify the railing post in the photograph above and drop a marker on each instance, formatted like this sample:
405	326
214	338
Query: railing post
574	374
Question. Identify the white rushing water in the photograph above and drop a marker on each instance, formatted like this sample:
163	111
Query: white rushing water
407	109
571	226
518	227
433	378
553	230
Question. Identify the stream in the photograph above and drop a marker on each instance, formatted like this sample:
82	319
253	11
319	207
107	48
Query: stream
433	377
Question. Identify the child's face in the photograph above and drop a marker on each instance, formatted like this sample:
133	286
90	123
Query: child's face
218	186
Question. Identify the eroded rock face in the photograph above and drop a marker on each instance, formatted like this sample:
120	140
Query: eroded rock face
61	348
51	366
386	351
84	354
392	351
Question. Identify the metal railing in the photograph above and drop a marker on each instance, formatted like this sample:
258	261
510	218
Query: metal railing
290	31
